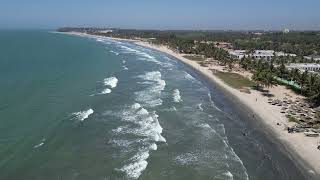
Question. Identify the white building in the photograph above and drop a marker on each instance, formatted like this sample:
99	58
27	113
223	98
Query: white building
258	54
312	67
239	54
262	54
315	58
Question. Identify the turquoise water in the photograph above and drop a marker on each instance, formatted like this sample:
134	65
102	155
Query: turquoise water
92	108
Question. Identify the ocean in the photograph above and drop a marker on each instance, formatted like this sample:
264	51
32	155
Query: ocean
76	107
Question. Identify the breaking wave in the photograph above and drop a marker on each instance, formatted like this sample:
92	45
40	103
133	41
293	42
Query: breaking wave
125	68
106	91
200	107
83	115
188	76
145	56
40	144
151	96
111	81
143	125
176	96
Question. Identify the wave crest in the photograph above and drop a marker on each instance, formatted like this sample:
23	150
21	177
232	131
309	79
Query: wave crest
83	115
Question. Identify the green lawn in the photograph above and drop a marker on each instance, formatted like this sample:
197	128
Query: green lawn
234	80
194	58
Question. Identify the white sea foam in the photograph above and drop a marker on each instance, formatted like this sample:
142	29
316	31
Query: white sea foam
82	115
38	145
124	68
188	76
106	91
205	125
139	164
212	103
153	147
154	103
99	39
111	81
151	96
142	111
114	52
136	106
176	96
145	56
200	107
229	175
148	131
121	142
187	158
137	52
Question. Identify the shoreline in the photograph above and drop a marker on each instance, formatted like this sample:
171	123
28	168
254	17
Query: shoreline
306	159
299	149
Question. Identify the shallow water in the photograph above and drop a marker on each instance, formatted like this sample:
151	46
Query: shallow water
94	108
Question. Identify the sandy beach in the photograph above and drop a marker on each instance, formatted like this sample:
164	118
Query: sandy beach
303	150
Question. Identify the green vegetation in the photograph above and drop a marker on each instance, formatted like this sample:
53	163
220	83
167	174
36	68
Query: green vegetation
234	80
194	58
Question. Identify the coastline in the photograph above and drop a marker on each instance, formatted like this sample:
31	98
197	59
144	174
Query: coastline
300	149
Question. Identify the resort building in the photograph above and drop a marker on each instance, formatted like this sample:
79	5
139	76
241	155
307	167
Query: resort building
258	54
314	57
312	67
262	54
239	54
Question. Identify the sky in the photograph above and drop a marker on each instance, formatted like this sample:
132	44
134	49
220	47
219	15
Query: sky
162	14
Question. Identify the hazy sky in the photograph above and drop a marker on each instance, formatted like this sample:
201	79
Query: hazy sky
162	14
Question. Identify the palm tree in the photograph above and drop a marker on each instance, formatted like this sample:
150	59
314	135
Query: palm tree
303	80
315	97
311	83
295	75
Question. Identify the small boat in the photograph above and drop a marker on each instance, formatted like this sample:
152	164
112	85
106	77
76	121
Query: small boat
311	134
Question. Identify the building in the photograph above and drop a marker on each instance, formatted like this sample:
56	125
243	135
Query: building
314	57
282	54
258	54
239	54
262	54
312	67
